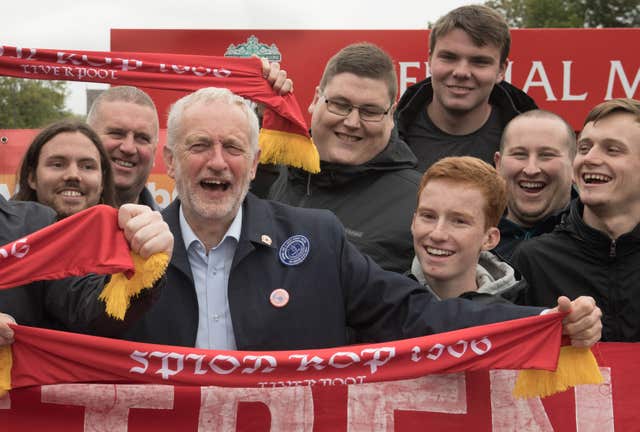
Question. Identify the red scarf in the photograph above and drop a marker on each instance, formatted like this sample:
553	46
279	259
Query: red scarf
284	139
47	357
61	250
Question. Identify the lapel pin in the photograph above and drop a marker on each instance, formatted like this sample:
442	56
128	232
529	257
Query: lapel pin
294	250
279	298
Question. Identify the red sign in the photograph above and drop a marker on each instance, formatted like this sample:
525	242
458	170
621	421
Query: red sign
567	71
478	401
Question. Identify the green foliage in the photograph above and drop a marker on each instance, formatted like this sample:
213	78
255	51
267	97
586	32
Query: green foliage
568	13
27	104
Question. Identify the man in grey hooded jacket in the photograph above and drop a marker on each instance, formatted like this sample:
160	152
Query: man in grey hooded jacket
460	202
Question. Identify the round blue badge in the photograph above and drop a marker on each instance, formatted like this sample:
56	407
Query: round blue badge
294	250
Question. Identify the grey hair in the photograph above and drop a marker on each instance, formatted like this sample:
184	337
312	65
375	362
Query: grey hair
207	96
123	94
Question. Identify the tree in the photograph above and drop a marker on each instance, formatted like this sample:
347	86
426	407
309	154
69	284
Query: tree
568	13
27	104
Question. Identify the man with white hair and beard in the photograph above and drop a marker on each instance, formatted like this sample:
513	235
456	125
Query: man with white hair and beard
252	274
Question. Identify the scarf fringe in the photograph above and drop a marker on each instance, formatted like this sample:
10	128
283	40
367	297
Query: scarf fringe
287	148
117	294
575	366
6	362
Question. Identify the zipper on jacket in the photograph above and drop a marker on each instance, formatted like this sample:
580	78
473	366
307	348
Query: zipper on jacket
612	249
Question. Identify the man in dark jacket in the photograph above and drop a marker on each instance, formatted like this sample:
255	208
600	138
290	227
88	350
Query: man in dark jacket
535	158
367	173
595	251
253	274
465	104
72	304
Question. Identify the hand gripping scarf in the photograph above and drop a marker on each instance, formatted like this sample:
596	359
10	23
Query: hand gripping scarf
284	137
63	249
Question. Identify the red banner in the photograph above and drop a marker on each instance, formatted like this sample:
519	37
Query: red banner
567	71
477	401
43	356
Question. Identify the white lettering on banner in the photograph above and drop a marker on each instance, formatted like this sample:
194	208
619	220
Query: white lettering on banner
166	371
225	364
198	367
566	84
594	405
350	358
324	382
18	249
306	363
617	69
538	67
107	61
69	71
5	401
196	70
370	407
258	363
172	363
376	361
479	347
118	63
507	72
139	356
107	405
511	414
405	79
31	56
291	408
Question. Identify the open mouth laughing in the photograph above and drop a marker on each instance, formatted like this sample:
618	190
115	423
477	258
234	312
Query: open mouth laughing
215	185
532	186
347	137
123	163
438	252
592	178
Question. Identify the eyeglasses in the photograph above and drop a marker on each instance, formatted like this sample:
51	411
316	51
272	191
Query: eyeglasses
367	113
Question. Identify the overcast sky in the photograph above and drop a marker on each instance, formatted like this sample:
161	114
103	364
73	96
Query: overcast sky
85	24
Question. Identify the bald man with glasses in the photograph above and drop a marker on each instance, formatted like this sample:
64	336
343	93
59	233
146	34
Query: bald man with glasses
367	173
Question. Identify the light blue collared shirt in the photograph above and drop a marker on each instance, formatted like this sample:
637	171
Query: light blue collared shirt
211	278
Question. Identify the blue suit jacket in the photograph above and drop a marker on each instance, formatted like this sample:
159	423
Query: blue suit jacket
334	288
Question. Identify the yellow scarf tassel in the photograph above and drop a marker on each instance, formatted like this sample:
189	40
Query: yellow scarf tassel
117	294
278	147
6	362
575	366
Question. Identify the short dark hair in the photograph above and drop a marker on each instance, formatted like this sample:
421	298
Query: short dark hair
129	94
29	162
623	105
543	114
483	25
364	60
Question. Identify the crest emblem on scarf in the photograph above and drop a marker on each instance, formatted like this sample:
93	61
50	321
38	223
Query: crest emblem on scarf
253	46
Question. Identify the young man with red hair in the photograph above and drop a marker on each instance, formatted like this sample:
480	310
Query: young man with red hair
460	202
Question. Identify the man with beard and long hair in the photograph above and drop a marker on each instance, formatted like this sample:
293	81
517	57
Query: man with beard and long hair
66	168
